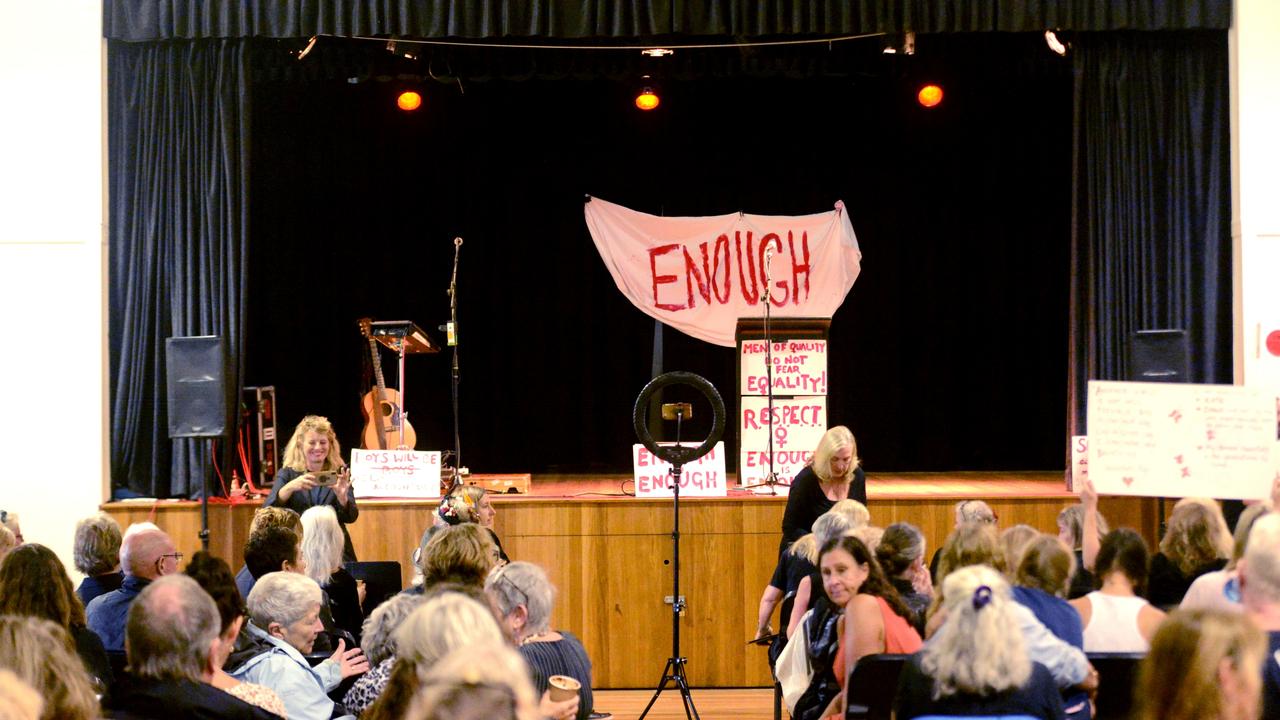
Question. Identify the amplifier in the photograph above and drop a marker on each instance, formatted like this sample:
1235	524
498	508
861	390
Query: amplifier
502	484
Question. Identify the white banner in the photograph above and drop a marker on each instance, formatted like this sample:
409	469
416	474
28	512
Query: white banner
700	274
704	477
799	367
396	473
1175	440
797	424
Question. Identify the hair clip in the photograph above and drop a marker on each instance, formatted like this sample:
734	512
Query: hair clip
981	597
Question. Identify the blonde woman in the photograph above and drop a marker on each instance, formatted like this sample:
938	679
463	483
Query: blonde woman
40	654
322	552
313	449
832	475
1196	541
974	665
1203	665
476	682
472	504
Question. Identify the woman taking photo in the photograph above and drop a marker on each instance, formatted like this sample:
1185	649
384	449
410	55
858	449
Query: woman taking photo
314	449
833	474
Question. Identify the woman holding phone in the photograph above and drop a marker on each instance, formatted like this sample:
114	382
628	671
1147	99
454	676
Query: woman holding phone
315	474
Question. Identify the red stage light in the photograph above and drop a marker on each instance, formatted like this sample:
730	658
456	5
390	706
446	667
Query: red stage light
929	96
647	99
409	101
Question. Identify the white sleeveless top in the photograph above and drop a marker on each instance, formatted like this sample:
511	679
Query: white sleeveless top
1113	624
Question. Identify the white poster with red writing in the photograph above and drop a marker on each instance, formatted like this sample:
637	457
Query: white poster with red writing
796	424
700	274
799	367
396	473
704	477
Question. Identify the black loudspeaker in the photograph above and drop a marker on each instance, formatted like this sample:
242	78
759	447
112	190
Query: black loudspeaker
197	390
1160	356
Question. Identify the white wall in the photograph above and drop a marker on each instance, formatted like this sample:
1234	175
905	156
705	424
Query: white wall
1255	157
52	276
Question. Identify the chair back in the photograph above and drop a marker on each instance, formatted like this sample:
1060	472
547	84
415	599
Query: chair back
381	580
872	685
1117	677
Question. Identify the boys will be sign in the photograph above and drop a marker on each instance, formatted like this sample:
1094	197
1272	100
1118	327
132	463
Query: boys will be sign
704	477
396	473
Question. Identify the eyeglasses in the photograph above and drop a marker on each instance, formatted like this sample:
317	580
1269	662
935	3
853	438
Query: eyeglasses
177	557
517	588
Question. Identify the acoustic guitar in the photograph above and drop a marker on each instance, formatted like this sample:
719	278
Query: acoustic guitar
386	427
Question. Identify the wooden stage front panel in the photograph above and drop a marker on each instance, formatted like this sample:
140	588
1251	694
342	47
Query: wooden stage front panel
610	556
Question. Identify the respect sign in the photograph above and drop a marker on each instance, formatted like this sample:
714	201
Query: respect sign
396	473
796	424
704	477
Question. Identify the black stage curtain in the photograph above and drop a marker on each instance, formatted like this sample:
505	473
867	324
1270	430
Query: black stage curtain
146	20
1151	236
177	151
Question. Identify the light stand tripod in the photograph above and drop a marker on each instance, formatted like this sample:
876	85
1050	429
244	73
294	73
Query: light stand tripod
677	455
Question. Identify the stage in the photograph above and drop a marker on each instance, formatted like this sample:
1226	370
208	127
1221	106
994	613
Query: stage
609	554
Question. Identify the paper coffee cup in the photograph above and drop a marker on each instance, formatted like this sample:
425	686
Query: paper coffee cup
563	687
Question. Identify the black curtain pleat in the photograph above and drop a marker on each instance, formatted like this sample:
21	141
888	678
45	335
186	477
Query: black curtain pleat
145	20
177	150
1151	240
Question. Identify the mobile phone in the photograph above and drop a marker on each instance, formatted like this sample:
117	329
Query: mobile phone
326	478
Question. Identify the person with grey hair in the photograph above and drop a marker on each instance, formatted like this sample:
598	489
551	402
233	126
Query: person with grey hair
146	554
525	598
967	511
97	555
1260	594
322	551
379	645
973	665
172	637
284	612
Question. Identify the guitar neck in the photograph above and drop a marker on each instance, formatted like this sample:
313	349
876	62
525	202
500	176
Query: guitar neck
377	369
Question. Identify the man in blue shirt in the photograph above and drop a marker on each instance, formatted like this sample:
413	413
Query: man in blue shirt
146	553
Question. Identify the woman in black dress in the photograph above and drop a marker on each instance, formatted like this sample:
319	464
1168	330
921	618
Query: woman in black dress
313	449
833	474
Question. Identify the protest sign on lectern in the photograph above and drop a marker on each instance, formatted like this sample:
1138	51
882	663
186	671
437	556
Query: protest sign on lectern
794	364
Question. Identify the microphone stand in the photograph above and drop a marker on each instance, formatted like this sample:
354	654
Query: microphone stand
452	335
771	480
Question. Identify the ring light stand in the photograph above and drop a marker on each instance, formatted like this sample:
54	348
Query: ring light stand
677	455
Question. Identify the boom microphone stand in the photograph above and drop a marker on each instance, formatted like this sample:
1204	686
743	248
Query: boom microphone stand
771	480
452	335
674	671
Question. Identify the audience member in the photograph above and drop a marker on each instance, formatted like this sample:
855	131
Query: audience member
284	611
1195	542
901	556
525	598
1081	527
974	666
34	582
173	651
439	626
970	543
834	474
41	654
1203	665
18	700
322	551
462	554
1042	580
1260	593
475	682
378	643
97	555
314	448
799	565
265	517
10	521
1221	588
7	541
1115	616
274	549
869	616
1013	542
146	553
471	503
967	511
214	576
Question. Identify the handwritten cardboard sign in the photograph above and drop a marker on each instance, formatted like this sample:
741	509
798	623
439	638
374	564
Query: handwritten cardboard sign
1079	462
1167	440
799	367
396	473
797	424
704	477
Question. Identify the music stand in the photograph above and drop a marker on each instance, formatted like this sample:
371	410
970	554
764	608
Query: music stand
404	338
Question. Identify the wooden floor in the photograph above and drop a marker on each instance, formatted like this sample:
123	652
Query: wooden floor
718	704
